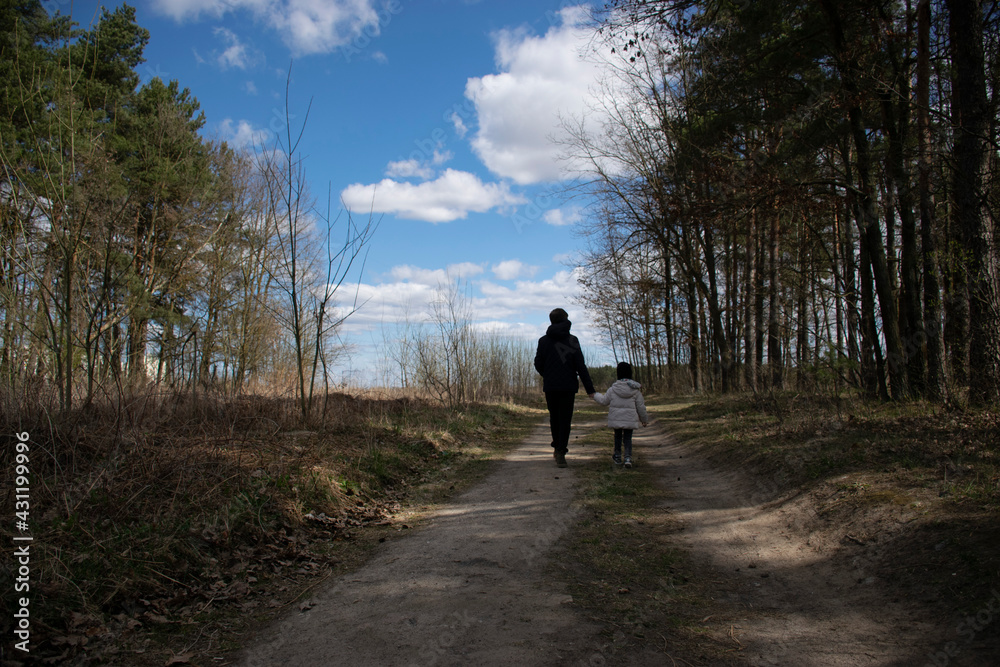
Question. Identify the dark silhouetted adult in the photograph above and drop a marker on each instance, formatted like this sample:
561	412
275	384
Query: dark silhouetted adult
560	362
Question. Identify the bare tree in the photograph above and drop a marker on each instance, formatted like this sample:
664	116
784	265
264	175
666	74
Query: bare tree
309	266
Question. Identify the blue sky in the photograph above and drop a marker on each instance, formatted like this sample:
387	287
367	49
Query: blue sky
442	112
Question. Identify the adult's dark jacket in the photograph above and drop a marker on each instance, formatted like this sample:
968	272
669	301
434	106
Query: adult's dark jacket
559	360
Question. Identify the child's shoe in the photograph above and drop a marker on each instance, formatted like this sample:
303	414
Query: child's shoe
617	459
628	461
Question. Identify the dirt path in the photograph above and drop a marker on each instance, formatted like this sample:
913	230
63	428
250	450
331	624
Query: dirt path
468	588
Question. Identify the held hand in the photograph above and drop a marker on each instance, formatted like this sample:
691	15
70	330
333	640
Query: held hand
645	423
590	395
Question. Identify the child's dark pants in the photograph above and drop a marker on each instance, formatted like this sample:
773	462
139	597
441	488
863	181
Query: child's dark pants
623	436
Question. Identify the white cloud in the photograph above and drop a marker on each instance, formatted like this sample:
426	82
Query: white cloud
541	79
389	304
181	9
306	26
560	218
235	54
241	134
408	169
513	268
251	88
451	196
408	296
460	128
436	277
527	296
417	168
380	58
410	293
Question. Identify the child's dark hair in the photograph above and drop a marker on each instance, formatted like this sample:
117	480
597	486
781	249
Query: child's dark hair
558	315
624	370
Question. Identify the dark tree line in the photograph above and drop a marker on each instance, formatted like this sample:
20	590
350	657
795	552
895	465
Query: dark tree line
794	191
134	249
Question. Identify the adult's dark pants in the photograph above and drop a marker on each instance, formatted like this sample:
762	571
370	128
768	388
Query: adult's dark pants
560	404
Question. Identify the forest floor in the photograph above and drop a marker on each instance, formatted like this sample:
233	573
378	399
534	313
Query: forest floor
773	530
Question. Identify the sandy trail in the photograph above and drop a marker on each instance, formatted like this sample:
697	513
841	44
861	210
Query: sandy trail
468	587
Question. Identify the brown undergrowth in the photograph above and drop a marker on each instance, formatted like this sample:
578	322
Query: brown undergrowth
165	527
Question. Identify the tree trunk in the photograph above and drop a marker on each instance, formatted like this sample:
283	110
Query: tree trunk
749	299
66	398
976	229
758	308
774	306
802	333
896	122
693	336
715	312
872	365
934	384
851	296
871	241
136	351
668	288
867	218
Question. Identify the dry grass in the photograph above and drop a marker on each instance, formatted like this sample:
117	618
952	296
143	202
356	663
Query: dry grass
153	514
805	438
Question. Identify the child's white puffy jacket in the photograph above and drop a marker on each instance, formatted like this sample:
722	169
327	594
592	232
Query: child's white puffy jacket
627	408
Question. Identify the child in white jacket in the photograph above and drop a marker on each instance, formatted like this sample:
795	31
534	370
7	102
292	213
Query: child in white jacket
627	410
